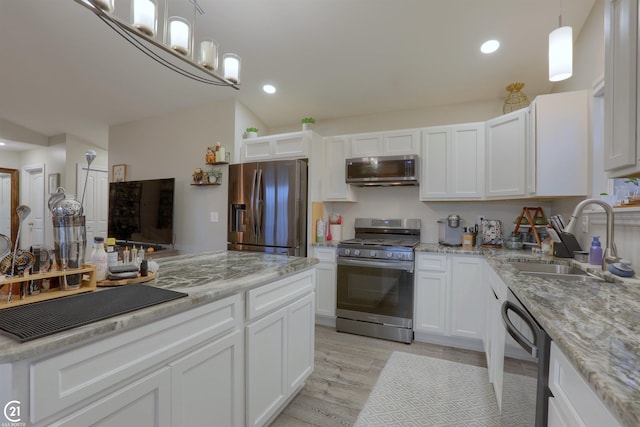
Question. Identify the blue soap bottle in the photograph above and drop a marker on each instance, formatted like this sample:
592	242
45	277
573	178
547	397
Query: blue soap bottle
595	253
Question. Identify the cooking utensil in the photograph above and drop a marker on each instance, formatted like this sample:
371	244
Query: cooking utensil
90	156
23	211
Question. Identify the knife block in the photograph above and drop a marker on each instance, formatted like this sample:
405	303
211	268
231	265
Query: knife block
567	246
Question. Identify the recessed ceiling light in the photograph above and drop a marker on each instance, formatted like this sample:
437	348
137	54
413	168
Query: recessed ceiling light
270	89
490	46
2	143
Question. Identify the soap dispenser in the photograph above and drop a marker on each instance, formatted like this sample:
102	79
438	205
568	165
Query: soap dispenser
595	253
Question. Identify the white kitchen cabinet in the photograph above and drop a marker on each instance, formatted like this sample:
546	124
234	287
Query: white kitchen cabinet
505	150
210	381
452	162
558	135
145	402
389	143
334	187
449	300
326	275
279	344
467	297
574	403
294	145
622	142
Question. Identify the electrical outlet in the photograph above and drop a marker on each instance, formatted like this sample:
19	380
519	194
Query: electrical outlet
213	217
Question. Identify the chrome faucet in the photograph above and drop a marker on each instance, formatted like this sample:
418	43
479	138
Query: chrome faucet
610	254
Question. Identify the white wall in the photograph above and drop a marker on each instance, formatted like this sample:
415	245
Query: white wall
10	159
173	145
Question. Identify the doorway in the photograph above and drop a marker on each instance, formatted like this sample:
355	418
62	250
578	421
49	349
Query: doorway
33	190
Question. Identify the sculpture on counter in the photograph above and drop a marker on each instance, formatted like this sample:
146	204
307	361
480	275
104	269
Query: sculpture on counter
198	175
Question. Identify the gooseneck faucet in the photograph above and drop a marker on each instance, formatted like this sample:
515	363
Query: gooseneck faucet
610	254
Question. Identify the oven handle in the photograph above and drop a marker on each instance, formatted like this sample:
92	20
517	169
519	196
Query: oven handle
402	265
527	345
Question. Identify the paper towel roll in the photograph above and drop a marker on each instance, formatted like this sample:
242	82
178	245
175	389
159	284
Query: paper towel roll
336	232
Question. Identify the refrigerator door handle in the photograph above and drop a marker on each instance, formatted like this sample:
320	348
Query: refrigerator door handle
252	202
259	204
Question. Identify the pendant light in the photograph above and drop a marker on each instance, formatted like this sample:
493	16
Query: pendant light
560	52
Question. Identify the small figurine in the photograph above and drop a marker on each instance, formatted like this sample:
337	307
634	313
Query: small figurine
198	175
210	158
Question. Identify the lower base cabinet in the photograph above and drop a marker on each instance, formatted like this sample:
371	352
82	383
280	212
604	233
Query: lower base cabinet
449	300
217	364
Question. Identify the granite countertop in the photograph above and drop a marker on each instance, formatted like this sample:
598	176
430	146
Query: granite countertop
205	277
595	323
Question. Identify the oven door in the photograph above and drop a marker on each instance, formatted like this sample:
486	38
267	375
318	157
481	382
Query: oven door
375	291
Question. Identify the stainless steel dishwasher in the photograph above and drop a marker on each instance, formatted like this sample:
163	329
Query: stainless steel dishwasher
525	398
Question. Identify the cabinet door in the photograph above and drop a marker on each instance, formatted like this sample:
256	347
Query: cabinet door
291	146
621	51
467	297
401	142
300	345
466	161
369	144
256	149
210	381
326	289
145	402
266	367
337	150
430	302
434	179
505	155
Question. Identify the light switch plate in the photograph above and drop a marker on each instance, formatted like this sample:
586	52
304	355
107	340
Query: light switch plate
214	217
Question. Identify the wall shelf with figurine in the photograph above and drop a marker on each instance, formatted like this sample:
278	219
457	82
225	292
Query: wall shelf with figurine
202	184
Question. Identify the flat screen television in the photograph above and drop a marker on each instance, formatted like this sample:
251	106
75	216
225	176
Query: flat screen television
142	211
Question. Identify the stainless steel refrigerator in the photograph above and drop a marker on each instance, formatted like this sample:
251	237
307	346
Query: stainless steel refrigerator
268	207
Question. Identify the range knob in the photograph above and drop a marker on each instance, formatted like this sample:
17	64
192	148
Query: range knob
347	251
389	254
372	254
356	252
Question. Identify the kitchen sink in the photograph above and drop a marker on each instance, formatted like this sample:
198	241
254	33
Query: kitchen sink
553	271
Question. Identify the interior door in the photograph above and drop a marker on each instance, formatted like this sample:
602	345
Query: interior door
32	232
96	200
5	204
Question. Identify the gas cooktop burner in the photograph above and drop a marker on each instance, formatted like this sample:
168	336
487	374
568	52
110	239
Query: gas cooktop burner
382	242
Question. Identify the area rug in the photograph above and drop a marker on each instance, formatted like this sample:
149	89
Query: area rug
423	391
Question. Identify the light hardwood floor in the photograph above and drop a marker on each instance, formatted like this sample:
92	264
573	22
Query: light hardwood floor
346	369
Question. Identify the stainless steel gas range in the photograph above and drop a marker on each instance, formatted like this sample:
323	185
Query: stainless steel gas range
375	279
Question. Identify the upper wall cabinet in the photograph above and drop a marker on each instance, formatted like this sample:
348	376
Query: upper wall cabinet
505	149
452	162
558	145
334	187
386	143
622	142
292	145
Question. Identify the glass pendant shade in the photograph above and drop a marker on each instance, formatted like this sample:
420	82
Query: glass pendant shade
231	64
179	35
105	5
560	54
208	54
145	16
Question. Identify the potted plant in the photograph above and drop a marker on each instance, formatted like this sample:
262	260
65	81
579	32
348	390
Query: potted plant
307	123
215	176
252	132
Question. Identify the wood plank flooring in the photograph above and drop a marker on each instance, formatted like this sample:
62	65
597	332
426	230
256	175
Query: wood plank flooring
346	369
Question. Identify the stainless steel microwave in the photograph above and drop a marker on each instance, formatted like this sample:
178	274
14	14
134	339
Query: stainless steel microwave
382	171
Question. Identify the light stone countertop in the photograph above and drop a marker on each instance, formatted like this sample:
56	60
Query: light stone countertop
205	277
595	323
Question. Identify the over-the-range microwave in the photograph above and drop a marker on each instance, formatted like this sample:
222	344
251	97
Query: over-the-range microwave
382	170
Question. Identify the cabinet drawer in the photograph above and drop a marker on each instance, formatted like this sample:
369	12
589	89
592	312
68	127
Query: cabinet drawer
325	254
67	378
267	298
431	262
573	397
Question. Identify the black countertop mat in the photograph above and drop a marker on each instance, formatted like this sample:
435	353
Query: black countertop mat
31	321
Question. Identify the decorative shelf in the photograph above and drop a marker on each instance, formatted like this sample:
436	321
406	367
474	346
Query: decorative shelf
217	163
206	183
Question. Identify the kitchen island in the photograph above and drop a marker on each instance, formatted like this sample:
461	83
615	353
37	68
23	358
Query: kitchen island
181	362
596	324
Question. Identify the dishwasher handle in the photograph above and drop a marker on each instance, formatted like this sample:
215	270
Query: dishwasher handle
525	343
